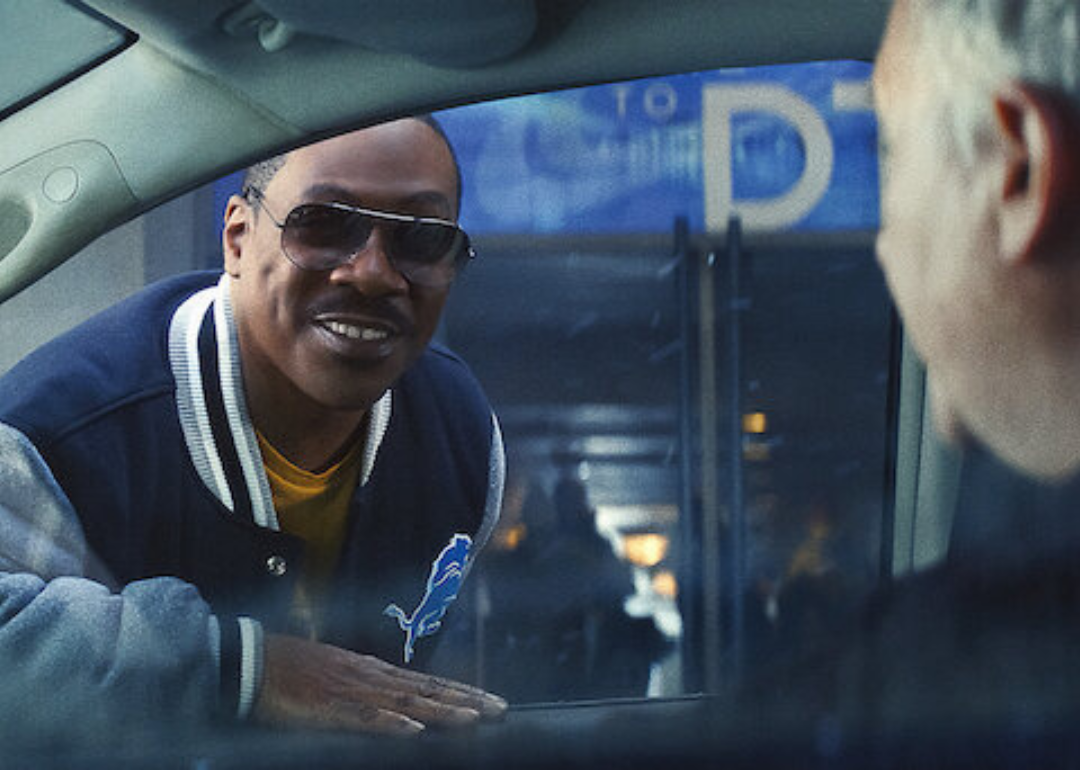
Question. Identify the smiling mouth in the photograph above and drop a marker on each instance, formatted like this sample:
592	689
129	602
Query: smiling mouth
362	332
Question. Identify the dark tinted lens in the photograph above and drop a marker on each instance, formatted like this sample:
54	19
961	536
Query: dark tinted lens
424	242
428	253
320	237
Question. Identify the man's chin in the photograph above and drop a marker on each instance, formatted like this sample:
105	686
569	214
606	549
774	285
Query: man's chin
351	405
947	423
1033	461
331	399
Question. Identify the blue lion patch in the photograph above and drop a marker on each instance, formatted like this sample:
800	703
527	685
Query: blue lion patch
447	572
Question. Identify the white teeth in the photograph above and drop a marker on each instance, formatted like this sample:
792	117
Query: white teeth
365	333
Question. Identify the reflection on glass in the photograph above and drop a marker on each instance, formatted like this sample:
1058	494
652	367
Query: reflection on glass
584	319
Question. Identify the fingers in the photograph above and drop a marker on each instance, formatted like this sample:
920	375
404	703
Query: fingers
343	716
432	711
313	685
362	718
430	699
427	686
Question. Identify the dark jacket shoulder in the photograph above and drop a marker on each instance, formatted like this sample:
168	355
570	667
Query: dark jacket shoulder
117	357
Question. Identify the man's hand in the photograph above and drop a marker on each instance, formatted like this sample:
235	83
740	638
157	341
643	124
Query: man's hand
314	685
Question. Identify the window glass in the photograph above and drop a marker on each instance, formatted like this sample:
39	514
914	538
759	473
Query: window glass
695	407
42	50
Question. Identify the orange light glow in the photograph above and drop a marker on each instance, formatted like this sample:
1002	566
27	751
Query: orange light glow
646	549
665	585
510	538
755	422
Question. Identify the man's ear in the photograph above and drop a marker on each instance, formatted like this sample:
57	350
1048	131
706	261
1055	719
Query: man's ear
1039	132
235	233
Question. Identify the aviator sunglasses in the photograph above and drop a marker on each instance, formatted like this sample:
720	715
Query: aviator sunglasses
321	236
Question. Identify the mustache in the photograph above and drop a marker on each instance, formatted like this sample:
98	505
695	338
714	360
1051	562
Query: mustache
354	304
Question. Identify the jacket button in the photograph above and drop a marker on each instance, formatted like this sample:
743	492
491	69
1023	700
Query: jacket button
276	566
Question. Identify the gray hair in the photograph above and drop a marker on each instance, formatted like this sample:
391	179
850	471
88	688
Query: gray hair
976	46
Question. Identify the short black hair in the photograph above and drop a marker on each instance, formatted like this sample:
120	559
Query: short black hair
259	174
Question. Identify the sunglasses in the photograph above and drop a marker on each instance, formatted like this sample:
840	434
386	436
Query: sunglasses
321	236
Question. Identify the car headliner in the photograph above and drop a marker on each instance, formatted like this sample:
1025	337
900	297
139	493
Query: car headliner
196	94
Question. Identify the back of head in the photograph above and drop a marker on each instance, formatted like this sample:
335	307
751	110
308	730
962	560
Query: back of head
977	46
979	107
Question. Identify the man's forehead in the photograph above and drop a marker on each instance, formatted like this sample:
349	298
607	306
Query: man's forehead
331	191
894	63
404	159
895	37
400	140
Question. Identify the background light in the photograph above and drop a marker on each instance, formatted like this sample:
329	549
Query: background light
755	422
664	583
645	549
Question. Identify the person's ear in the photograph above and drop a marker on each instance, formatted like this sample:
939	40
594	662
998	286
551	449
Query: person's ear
235	233
1039	184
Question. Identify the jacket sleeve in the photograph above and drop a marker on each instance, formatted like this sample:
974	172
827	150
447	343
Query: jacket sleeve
81	654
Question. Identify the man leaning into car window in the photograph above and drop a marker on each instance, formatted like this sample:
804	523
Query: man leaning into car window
255	494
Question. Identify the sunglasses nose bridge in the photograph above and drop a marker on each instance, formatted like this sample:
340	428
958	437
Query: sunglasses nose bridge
373	257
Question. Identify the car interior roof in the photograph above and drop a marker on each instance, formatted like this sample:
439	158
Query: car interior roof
206	87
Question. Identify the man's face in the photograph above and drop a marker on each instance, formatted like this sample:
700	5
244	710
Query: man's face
338	339
938	238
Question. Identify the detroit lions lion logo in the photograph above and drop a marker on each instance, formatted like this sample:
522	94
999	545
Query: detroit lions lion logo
443	583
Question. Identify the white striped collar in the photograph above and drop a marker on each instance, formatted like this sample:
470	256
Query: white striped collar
210	399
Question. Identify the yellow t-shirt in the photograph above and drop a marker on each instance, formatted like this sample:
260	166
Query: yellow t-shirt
315	508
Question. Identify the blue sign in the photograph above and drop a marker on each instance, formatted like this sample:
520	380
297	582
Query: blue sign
788	147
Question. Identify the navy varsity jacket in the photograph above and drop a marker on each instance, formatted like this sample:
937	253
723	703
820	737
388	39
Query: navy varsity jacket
136	519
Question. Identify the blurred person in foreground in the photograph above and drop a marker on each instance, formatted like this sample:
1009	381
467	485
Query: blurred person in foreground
979	111
979	120
253	495
979	115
